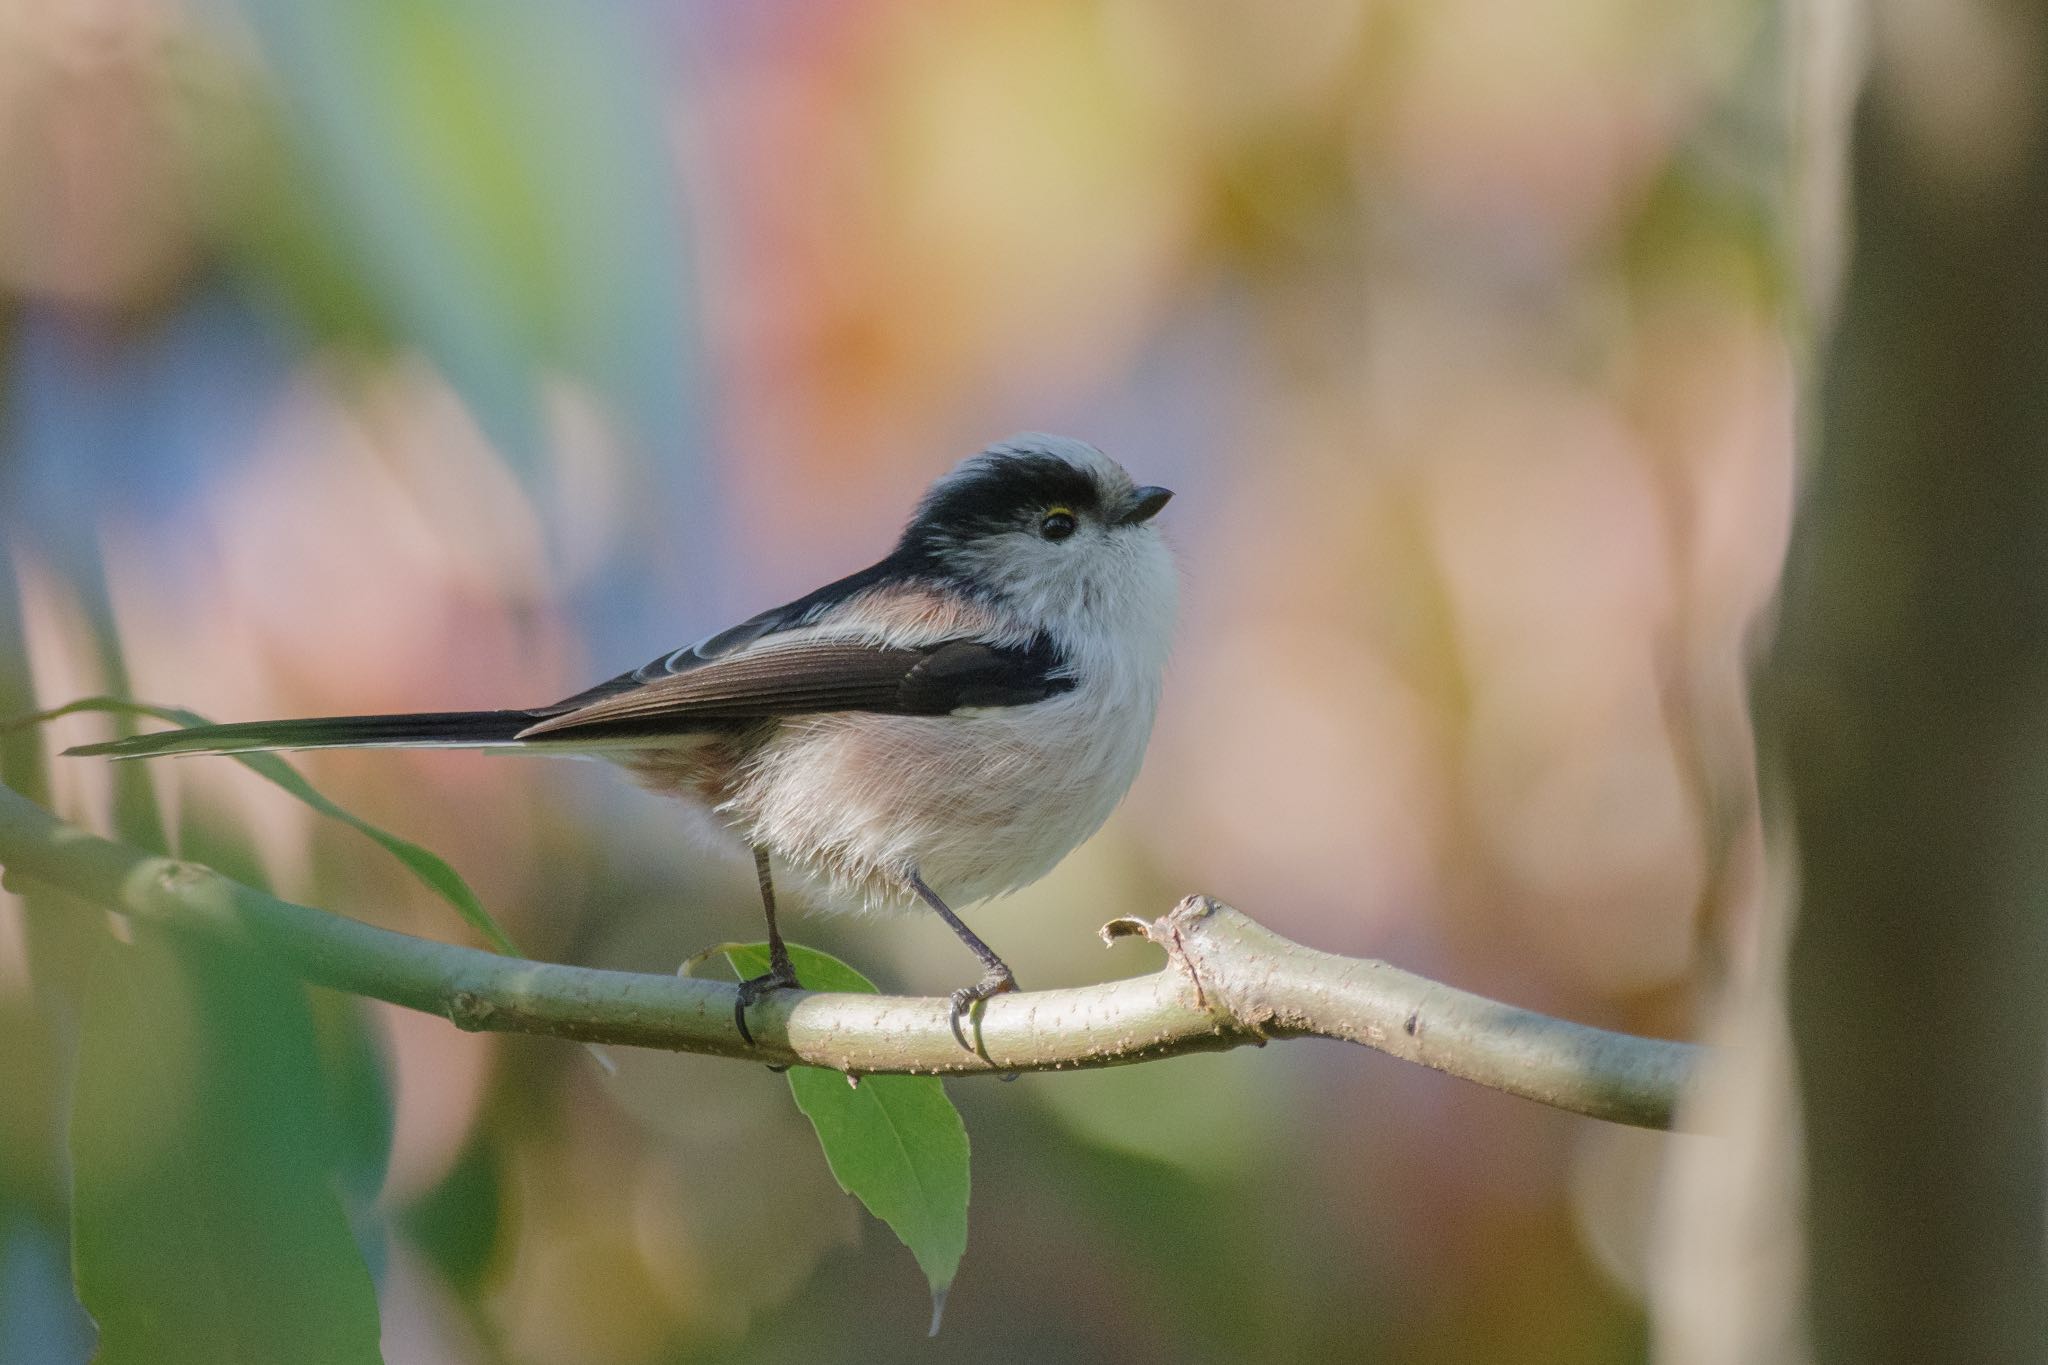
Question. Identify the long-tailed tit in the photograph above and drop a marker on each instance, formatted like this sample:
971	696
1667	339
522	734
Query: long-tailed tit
943	726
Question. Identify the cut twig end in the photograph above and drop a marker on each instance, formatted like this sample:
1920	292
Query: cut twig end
1125	926
469	1011
1187	912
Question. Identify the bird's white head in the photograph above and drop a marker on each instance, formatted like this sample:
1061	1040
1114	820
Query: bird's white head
1057	533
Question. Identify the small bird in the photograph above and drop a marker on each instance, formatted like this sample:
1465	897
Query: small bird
944	726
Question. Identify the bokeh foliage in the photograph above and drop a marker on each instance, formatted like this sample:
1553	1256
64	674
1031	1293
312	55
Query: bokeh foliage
383	355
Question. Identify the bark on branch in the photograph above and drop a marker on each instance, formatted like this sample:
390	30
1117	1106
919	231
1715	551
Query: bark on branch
1227	982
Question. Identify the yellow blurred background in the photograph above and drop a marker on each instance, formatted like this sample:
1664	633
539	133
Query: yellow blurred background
365	355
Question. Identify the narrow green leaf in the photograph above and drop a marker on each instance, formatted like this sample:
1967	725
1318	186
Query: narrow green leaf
423	863
206	1224
894	1142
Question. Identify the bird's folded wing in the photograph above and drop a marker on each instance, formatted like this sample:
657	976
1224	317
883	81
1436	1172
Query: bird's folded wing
813	675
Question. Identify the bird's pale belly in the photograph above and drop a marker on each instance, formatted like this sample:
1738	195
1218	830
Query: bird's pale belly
977	804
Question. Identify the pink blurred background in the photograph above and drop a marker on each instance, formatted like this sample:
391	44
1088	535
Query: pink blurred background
403	356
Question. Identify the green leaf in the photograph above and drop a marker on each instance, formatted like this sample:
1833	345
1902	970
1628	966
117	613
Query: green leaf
894	1142
206	1224
423	863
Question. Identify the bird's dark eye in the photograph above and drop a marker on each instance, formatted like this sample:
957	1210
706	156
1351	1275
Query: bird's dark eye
1058	524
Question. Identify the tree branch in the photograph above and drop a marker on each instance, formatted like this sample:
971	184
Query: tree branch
1228	982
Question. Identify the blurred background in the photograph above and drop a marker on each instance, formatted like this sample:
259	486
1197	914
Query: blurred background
365	355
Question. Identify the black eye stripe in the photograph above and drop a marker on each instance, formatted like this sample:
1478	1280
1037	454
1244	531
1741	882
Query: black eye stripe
1008	493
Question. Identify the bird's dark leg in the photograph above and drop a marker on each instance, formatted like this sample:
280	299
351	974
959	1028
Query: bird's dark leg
780	974
996	976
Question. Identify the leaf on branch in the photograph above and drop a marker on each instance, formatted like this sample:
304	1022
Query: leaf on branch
432	869
894	1142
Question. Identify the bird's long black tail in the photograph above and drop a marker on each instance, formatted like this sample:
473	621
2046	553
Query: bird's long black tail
424	730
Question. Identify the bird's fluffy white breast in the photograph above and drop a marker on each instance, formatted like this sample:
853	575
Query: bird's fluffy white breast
979	802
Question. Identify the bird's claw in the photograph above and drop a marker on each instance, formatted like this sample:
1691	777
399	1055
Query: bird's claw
967	997
779	977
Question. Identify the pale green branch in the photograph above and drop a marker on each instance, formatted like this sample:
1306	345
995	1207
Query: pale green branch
1228	981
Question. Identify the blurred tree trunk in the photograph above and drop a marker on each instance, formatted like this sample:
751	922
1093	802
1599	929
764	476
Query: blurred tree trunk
1913	687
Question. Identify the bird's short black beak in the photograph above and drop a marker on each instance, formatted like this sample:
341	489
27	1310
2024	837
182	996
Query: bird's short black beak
1145	504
